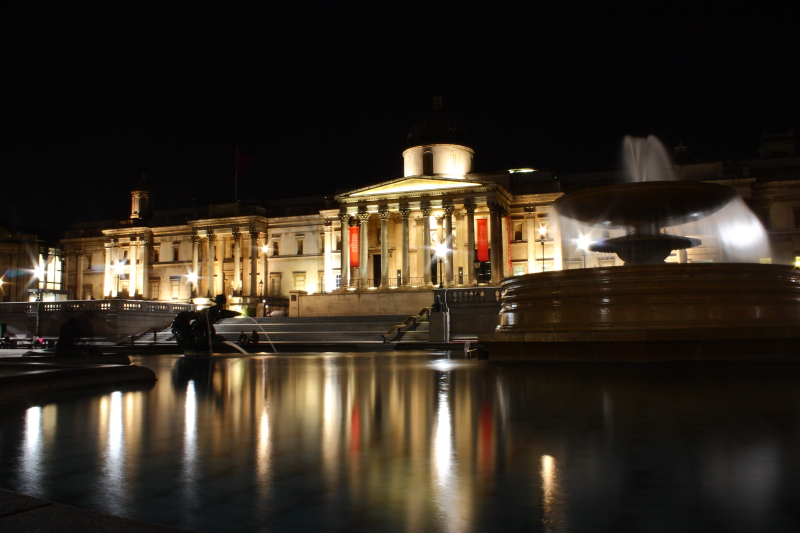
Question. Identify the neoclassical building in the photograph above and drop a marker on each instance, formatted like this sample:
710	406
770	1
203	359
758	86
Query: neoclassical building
439	223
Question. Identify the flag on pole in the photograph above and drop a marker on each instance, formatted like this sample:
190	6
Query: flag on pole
242	163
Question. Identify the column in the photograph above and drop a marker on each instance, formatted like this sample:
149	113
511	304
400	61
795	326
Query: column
426	244
145	255
219	254
405	212
496	256
459	249
210	264
264	272
530	236
237	262
448	242
79	274
107	279
418	259
344	259
132	271
384	214
363	249
254	264
195	251
473	280
327	261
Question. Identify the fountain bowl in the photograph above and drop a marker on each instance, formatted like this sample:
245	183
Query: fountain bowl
657	312
661	203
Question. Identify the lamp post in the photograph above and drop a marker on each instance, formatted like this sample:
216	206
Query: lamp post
477	265
441	250
118	271
192	277
583	243
261	288
543	236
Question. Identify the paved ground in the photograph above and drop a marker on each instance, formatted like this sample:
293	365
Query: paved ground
32	515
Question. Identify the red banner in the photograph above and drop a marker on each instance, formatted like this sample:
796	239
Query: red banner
354	247
483	240
510	271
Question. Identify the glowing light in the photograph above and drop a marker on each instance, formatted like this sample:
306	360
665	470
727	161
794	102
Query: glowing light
441	251
542	231
520	170
265	248
796	264
118	267
38	272
191	277
1	282
583	242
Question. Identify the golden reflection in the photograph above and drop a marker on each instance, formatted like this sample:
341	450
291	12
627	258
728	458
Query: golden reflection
32	452
553	504
189	475
450	500
113	457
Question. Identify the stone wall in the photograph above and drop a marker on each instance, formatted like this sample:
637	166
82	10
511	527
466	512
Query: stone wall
109	320
361	303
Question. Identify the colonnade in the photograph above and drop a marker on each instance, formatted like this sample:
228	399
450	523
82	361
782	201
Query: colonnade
426	253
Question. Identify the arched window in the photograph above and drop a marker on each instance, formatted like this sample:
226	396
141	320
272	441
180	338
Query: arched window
427	162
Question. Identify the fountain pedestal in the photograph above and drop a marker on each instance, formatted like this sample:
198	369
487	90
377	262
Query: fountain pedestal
650	313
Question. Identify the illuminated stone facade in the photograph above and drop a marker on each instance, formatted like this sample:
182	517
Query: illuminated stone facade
405	226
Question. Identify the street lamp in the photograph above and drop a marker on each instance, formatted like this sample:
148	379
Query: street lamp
583	243
261	288
543	235
441	251
118	269
192	278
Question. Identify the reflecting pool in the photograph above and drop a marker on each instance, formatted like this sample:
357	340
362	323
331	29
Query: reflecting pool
416	442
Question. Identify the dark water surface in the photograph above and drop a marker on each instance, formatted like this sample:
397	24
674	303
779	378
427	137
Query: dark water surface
399	442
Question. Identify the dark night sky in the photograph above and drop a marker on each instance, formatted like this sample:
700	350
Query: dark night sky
323	96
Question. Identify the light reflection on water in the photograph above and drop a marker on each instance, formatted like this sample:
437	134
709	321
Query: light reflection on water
385	442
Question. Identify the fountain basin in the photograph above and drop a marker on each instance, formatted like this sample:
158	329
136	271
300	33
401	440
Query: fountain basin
661	203
650	313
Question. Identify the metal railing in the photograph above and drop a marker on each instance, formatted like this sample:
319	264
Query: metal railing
409	324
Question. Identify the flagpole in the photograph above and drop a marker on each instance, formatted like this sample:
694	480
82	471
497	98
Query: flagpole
236	174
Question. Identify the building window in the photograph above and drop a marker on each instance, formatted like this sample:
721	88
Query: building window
427	162
299	281
299	245
87	292
338	238
175	254
763	216
339	280
275	284
175	287
517	232
155	255
88	263
154	285
275	248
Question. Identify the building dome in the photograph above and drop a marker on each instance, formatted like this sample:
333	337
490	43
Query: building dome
437	128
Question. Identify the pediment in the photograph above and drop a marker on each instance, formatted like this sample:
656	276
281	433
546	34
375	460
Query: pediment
411	185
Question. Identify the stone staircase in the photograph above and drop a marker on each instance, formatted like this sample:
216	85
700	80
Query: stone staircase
313	330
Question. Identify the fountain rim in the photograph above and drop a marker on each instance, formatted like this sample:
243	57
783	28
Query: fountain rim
616	206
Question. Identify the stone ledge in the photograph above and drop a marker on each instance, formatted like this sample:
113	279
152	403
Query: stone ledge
43	379
33	515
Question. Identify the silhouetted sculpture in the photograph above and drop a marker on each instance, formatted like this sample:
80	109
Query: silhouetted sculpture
194	330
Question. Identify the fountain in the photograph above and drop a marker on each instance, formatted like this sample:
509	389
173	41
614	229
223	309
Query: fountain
648	309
